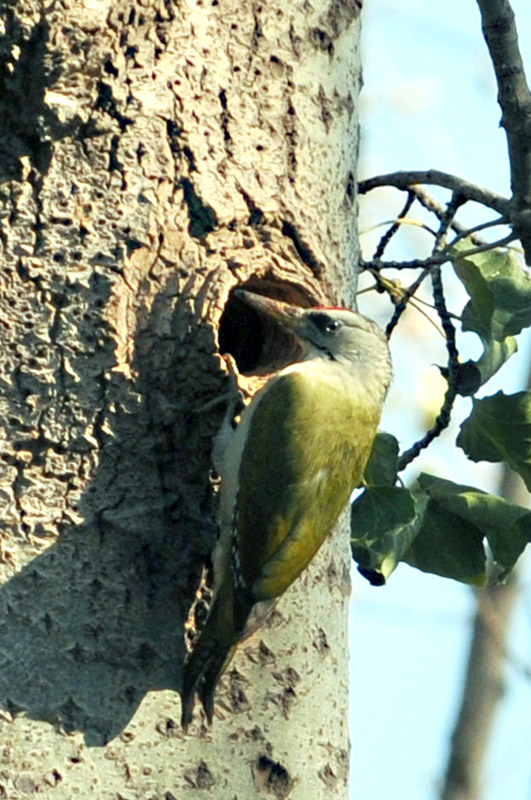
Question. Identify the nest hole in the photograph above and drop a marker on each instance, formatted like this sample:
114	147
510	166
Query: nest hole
257	343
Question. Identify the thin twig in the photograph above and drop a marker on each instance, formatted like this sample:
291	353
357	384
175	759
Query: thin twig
431	205
415	263
469	191
443	419
468	233
400	306
435	260
386	238
511	237
446	222
398	223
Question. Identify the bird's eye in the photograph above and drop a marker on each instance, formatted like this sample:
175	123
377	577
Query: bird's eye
324	322
332	326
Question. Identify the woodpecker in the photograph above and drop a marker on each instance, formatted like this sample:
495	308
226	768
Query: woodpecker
300	448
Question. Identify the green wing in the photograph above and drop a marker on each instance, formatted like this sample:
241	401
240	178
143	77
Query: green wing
308	444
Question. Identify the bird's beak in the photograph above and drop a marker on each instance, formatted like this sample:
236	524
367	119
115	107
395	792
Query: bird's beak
290	317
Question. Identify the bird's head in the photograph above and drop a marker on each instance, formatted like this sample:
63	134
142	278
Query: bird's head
333	334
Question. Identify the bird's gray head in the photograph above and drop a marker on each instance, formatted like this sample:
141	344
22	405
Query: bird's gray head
333	334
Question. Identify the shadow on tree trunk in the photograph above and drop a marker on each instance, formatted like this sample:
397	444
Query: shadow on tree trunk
96	621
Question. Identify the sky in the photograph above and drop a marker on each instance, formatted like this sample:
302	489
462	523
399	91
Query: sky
429	101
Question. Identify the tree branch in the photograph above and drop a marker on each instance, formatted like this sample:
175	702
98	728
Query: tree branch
443	418
482	692
514	97
483	686
487	659
469	191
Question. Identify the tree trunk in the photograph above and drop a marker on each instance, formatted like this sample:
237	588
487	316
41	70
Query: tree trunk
154	155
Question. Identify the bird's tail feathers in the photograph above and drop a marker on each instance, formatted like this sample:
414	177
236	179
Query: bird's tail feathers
214	669
204	668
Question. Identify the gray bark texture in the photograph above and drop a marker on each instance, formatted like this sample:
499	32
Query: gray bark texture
153	155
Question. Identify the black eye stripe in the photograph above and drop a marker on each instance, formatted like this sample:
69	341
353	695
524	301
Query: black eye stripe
324	322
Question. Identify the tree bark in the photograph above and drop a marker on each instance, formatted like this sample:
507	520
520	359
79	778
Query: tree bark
154	155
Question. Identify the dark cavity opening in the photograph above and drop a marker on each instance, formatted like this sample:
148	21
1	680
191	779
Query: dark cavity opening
258	344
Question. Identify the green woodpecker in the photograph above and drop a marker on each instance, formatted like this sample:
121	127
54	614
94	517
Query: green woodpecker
287	473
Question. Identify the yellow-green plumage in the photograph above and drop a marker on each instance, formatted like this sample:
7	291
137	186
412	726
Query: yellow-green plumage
299	451
290	503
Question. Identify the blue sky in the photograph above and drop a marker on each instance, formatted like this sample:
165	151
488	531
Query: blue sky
430	101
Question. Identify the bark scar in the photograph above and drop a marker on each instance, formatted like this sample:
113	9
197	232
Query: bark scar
203	218
227	138
303	250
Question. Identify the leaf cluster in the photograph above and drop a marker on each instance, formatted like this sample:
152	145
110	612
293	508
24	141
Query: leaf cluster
439	526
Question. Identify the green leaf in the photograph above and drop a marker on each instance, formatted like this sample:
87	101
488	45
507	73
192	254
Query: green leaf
494	356
506	526
441	529
383	463
467	378
500	292
499	429
473	374
448	546
384	522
